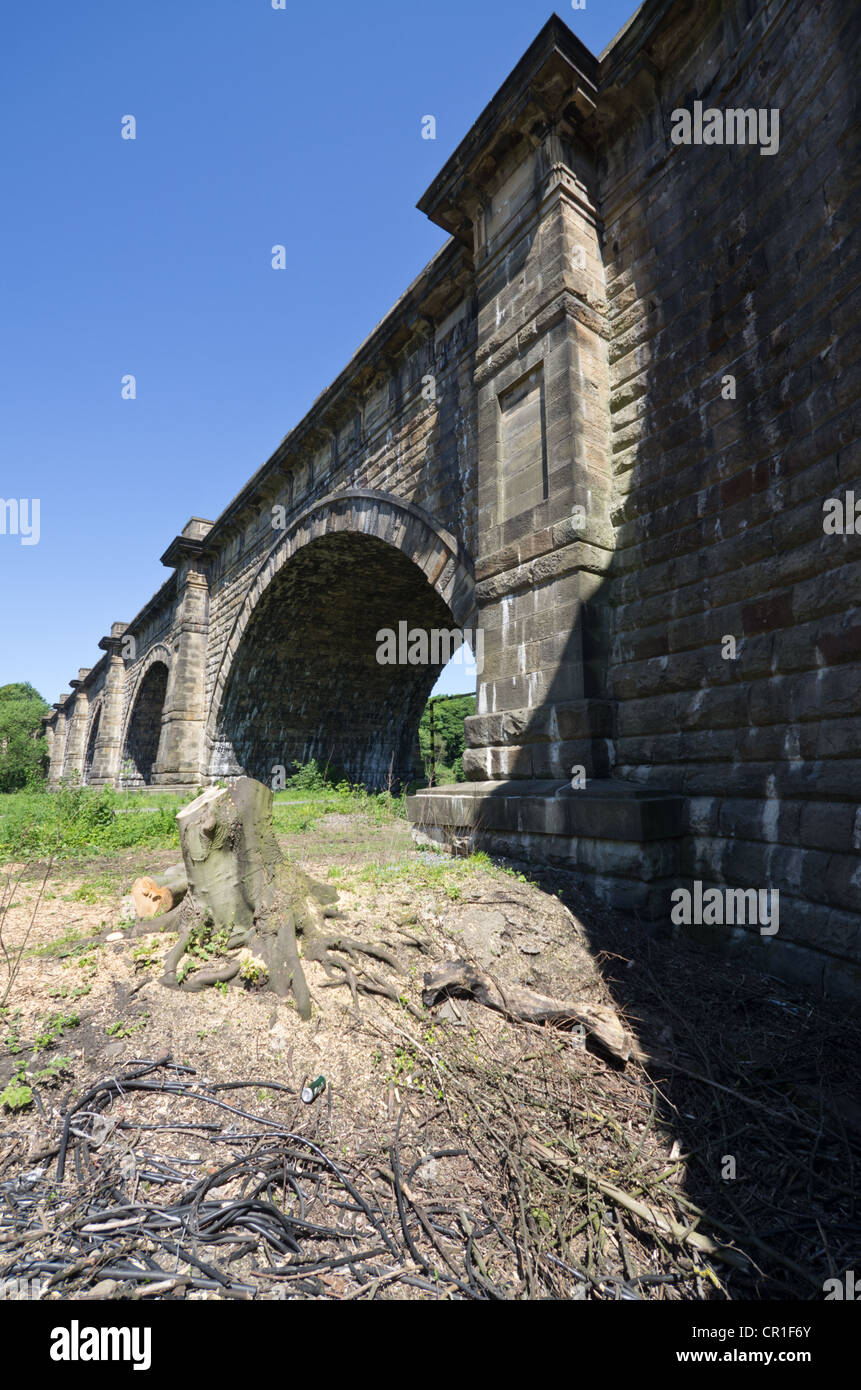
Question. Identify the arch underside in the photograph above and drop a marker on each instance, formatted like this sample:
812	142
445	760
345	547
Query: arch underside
144	728
90	752
305	681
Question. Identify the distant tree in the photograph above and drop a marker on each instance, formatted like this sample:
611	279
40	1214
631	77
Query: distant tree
449	712
23	753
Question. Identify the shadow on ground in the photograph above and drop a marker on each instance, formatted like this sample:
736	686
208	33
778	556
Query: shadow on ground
761	1088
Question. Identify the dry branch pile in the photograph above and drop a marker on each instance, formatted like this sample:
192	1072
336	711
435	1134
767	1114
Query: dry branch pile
279	1214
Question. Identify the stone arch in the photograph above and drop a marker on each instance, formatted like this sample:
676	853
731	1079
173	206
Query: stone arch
339	558
142	726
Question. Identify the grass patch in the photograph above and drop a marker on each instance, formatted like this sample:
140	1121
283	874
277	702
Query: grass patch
427	869
77	822
420	872
308	797
69	943
91	890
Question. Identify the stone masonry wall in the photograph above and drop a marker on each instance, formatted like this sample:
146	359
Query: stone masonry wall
724	261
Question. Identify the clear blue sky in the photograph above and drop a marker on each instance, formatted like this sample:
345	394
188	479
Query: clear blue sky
254	127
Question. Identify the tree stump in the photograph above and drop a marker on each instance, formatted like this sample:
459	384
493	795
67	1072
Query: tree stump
243	893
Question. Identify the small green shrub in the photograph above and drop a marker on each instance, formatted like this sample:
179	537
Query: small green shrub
308	778
252	973
56	1069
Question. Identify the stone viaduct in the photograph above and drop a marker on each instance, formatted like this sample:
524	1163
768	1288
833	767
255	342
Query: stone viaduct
604	424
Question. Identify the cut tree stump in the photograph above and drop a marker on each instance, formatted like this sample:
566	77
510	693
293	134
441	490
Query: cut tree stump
241	889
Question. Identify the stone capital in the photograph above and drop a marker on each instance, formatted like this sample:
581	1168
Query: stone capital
190	545
112	644
554	84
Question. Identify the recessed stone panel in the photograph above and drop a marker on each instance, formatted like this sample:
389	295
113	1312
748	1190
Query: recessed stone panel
522	446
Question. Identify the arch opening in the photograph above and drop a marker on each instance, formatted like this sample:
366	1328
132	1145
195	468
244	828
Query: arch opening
144	729
452	701
312	679
91	745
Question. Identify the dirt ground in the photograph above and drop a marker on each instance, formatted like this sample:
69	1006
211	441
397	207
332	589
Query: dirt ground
453	1153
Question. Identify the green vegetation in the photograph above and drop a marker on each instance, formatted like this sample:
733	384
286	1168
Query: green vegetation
53	1028
69	991
57	1068
252	973
16	1096
92	889
23	752
126	1029
12	1039
446	714
309	795
413	1065
77	822
429	869
147	956
308	777
72	942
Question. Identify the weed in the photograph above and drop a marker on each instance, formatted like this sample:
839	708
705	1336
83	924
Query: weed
69	992
252	973
12	1040
16	1095
53	1028
126	1030
56	1070
145	957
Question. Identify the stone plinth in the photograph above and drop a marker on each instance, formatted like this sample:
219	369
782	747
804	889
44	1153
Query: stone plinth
623	842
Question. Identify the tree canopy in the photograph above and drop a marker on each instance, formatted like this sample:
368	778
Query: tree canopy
449	712
23	753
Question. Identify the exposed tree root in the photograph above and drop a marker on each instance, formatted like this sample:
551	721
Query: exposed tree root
515	1001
